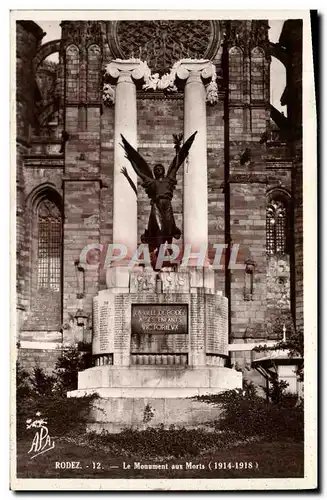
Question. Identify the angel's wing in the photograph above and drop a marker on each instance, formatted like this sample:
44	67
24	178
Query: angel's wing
137	161
181	155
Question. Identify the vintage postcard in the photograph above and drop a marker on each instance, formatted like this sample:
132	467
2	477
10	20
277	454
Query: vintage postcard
164	314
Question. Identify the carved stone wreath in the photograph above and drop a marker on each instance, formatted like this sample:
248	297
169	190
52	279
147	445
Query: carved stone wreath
163	42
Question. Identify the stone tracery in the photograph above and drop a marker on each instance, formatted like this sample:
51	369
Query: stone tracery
163	42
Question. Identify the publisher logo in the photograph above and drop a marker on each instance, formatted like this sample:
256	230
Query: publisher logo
42	442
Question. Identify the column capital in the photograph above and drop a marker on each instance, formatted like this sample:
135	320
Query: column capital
202	67
123	70
192	71
135	68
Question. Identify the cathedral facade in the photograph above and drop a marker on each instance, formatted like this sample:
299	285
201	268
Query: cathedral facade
66	114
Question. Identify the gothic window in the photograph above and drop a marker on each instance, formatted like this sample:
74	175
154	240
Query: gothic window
44	273
93	72
72	72
257	74
235	74
276	228
49	227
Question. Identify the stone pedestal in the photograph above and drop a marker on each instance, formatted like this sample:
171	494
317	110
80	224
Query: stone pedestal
185	300
158	335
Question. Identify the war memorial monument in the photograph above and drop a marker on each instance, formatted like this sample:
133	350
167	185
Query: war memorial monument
159	209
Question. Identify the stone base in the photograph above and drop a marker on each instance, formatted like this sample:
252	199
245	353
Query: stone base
155	381
117	414
126	392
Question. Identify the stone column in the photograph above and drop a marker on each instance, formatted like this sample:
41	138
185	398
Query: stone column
125	202
195	207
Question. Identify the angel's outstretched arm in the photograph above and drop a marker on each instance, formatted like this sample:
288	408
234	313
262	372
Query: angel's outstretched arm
125	173
180	157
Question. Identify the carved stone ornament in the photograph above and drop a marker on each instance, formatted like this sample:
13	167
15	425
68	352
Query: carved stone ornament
143	281
167	81
174	282
163	42
108	94
212	92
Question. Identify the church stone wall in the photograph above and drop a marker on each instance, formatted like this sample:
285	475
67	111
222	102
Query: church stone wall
29	36
248	212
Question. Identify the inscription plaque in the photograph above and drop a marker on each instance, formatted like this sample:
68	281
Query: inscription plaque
103	335
159	319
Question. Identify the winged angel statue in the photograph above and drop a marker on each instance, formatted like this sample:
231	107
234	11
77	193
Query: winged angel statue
159	187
